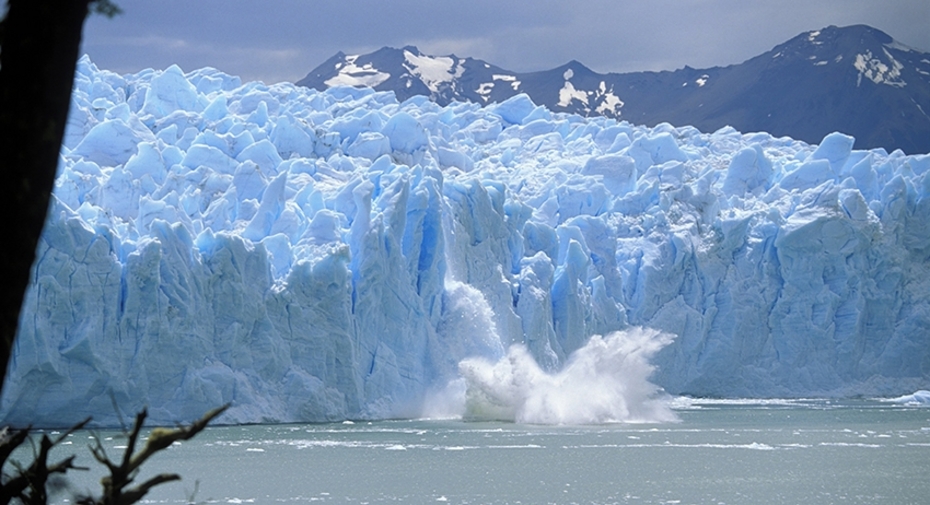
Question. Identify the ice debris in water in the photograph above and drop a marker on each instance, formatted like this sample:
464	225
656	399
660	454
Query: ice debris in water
921	398
314	256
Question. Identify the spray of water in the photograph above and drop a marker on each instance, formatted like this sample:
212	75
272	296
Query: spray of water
605	381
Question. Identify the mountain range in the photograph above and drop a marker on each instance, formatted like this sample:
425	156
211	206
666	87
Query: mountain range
855	79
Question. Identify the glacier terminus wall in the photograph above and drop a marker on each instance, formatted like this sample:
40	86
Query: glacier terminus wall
318	256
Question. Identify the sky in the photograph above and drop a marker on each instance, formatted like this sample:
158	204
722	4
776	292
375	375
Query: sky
283	40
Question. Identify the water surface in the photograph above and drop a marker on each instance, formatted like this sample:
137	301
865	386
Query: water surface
775	452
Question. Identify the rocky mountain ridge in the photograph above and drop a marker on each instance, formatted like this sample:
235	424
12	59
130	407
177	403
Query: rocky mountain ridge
854	79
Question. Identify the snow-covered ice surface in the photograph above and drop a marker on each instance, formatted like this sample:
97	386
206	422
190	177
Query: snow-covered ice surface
314	256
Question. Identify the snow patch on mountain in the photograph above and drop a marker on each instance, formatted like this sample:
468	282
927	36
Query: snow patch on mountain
512	79
351	74
878	71
569	93
484	90
433	71
610	103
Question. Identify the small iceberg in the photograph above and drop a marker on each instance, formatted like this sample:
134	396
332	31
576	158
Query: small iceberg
920	398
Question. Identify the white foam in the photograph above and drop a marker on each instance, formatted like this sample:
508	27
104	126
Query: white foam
604	381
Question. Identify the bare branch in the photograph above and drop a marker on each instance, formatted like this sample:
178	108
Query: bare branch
135	494
28	485
100	454
34	478
10	439
114	485
133	438
160	438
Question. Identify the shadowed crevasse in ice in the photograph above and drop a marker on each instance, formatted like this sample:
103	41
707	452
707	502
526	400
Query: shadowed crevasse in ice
315	256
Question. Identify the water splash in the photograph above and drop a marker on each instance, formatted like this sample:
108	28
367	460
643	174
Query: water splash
467	326
604	381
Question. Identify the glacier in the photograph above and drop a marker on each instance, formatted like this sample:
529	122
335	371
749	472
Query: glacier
319	256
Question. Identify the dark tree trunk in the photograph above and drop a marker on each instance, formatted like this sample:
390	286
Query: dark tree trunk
39	44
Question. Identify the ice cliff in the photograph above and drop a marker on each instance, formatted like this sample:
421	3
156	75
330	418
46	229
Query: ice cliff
316	256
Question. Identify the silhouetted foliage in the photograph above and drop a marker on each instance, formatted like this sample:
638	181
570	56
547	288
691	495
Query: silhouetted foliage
39	44
30	484
115	485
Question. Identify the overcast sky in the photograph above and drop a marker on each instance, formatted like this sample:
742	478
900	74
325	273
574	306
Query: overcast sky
282	40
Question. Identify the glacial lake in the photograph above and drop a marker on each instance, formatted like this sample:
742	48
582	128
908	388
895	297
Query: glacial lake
720	452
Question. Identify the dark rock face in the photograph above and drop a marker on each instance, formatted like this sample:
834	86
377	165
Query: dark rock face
855	79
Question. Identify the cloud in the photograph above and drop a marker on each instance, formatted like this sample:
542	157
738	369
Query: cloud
251	63
284	39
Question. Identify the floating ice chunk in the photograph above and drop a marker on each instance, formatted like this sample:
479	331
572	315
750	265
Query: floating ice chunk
921	398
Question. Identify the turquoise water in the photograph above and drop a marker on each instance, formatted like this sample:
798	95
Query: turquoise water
777	452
